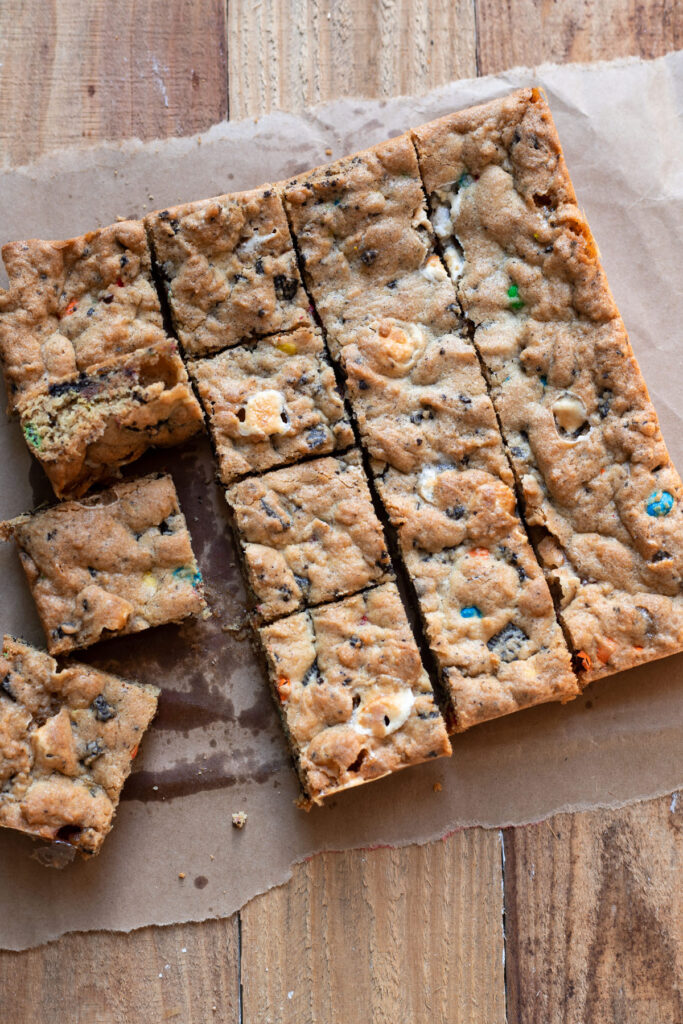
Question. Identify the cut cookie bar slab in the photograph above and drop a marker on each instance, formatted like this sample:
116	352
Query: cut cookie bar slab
229	269
355	700
366	243
74	304
599	487
117	562
67	743
83	429
483	599
308	534
271	403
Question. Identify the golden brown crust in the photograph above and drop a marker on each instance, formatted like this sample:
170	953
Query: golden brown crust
118	562
67	743
229	270
271	403
309	534
74	304
83	429
355	699
599	487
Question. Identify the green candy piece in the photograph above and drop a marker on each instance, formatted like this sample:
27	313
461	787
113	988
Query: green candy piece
513	295
32	436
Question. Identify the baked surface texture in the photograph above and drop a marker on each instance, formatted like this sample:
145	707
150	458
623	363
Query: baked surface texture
271	403
115	563
420	399
483	599
229	269
74	304
67	743
366	242
600	492
308	534
83	429
354	697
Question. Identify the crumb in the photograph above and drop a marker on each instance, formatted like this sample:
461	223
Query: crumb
328	152
437	787
181	874
239	819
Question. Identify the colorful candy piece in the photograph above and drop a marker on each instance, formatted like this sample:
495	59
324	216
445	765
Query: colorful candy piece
660	503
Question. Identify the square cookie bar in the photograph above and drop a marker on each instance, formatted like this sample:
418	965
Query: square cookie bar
229	269
486	607
67	743
271	403
599	490
308	534
115	563
366	243
74	304
83	429
355	700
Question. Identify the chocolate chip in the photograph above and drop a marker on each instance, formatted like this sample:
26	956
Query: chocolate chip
6	688
93	750
285	287
456	512
259	266
315	437
102	709
368	256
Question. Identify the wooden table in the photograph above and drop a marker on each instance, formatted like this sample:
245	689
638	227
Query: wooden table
576	919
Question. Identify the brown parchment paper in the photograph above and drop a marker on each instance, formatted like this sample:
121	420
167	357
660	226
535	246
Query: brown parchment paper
216	746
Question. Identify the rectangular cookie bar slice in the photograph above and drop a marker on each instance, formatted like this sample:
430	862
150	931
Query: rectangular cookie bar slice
83	429
67	743
600	492
308	534
482	596
74	304
271	403
366	243
355	700
115	563
229	269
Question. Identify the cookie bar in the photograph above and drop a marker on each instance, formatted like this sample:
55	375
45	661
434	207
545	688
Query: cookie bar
74	304
67	743
83	429
308	534
421	403
271	403
354	698
483	599
600	492
229	269
115	563
366	243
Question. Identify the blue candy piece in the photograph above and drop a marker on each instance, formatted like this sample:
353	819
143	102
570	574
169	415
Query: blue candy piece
659	503
470	612
543	379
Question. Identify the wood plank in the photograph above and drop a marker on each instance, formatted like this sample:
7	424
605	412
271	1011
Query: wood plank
186	973
594	917
72	70
392	936
288	56
529	32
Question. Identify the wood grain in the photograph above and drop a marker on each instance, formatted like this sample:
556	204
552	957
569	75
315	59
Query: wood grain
287	55
594	917
75	70
187	974
407	936
529	32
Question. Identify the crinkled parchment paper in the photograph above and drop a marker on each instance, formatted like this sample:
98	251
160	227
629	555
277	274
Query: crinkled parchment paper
216	746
